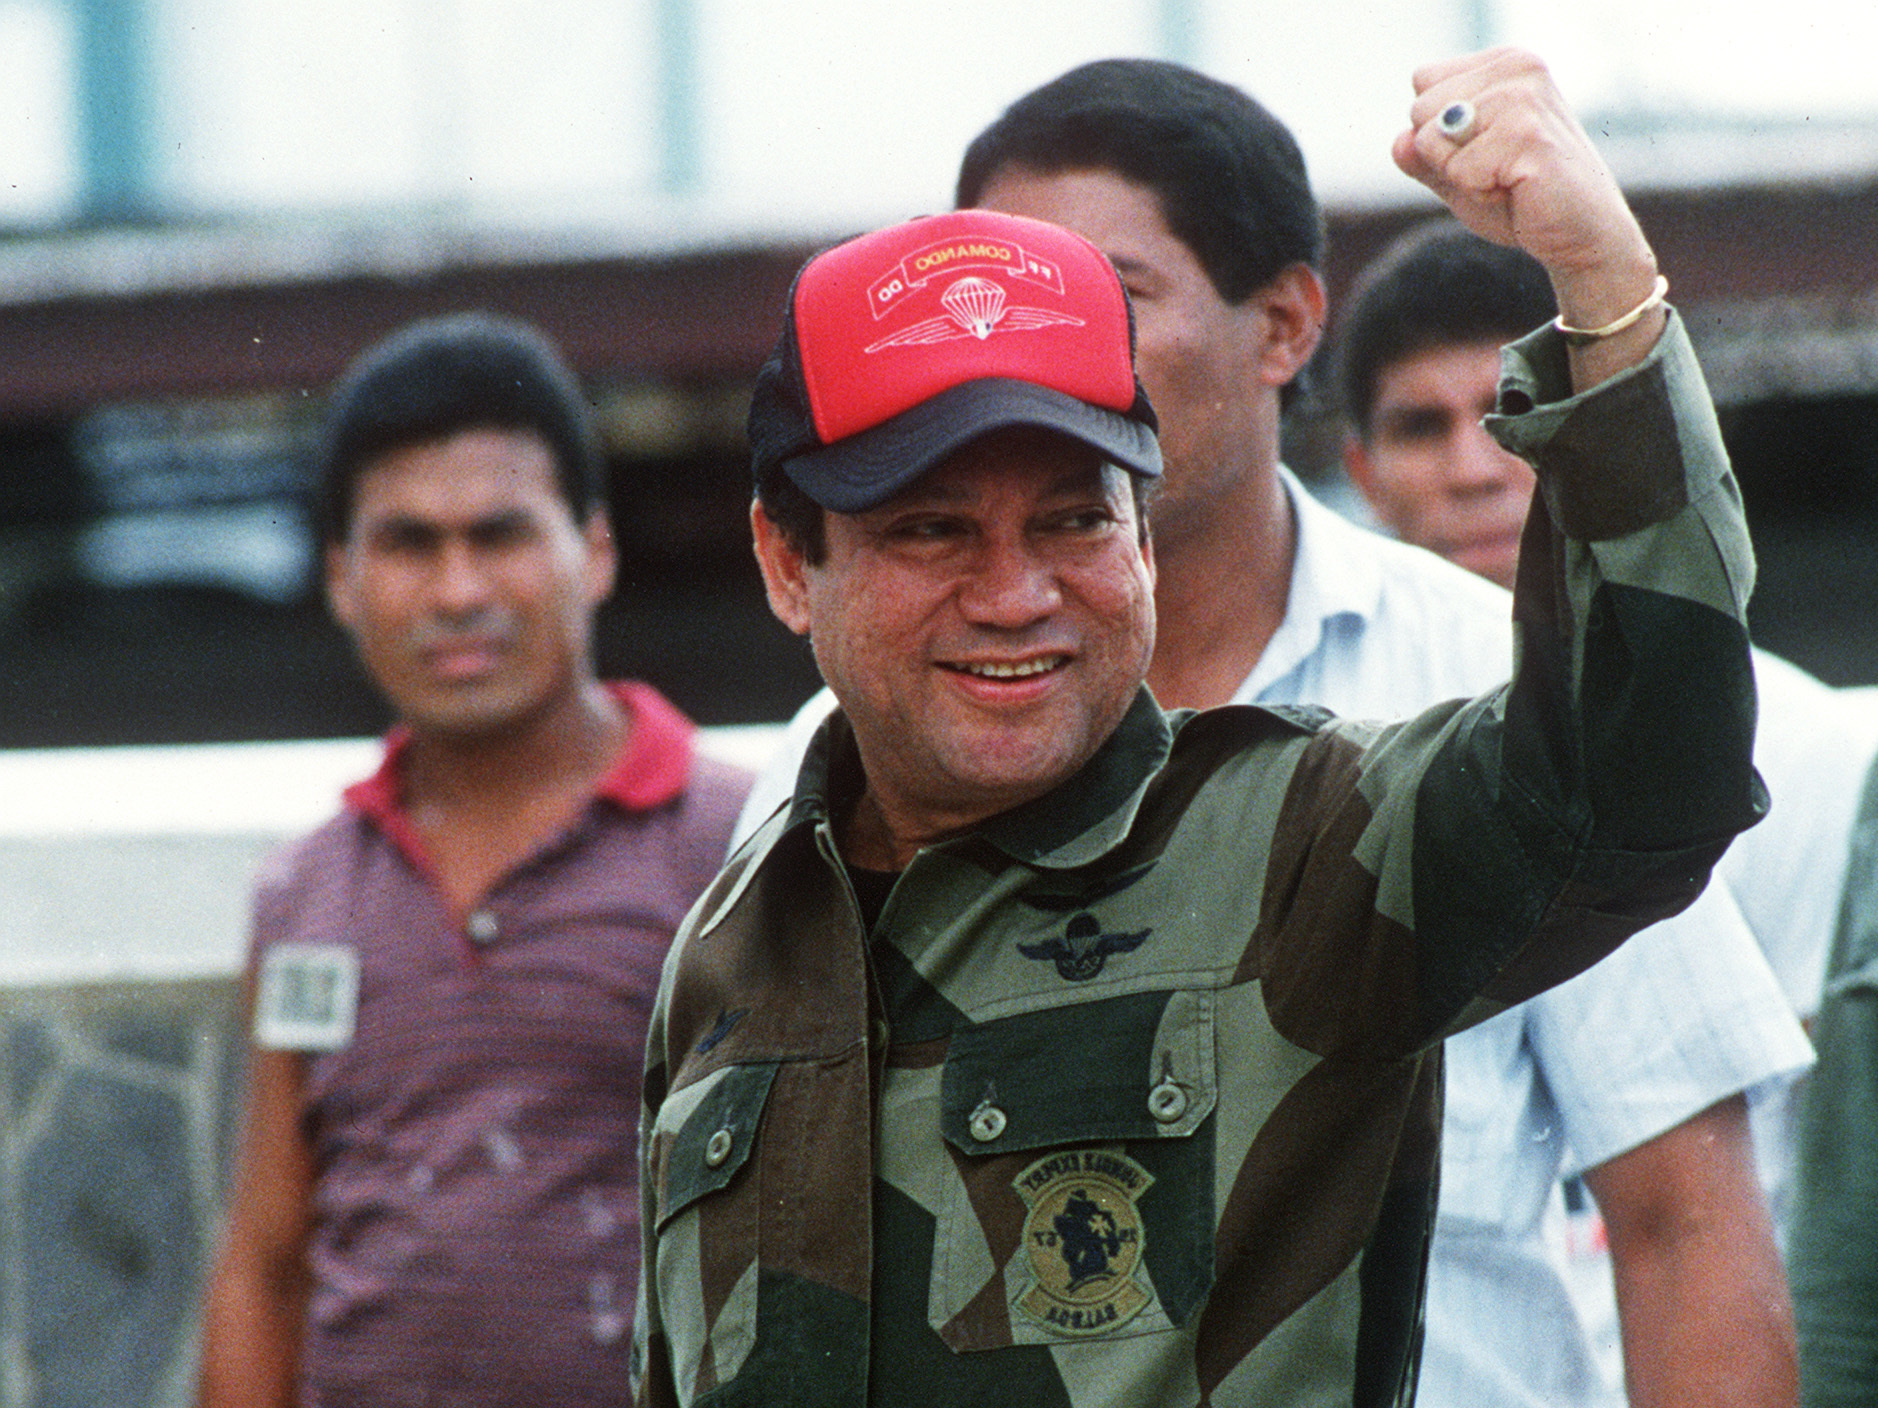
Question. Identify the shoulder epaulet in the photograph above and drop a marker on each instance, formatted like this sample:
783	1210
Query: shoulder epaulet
1235	725
1309	717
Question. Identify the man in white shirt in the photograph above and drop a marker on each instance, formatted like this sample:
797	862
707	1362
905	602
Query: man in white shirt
1200	198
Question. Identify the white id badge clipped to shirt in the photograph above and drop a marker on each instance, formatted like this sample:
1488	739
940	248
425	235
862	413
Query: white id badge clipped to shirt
306	997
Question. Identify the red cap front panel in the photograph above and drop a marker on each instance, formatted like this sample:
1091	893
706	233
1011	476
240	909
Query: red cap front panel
892	319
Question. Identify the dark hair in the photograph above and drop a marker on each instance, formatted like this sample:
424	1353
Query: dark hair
1437	285
1229	175
795	514
438	376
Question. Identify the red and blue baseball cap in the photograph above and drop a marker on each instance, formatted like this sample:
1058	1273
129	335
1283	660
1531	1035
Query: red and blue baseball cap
900	346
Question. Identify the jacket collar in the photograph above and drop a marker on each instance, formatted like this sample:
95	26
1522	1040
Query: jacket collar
1077	823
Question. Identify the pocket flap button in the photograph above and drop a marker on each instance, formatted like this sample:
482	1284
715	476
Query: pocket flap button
987	1122
1167	1102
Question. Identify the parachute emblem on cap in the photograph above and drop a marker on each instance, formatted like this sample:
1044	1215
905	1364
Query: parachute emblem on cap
975	307
976	304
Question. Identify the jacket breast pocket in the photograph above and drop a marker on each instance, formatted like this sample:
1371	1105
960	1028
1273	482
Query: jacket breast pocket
705	1205
1079	1198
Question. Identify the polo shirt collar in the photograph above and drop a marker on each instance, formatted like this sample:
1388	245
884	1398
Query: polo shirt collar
1333	577
650	770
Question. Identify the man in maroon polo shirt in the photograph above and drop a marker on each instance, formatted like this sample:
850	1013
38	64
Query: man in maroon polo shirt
435	1197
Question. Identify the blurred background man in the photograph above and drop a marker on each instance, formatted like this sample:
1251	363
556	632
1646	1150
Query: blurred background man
1419	369
435	1195
1140	159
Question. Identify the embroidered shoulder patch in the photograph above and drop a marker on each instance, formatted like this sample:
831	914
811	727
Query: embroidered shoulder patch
1083	1241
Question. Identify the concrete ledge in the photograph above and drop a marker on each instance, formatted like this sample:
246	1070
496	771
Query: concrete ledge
134	864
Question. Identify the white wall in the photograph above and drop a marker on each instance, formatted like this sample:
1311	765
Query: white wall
820	115
37	133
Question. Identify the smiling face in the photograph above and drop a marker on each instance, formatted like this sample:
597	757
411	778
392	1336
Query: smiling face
466	584
985	630
1212	369
1431	471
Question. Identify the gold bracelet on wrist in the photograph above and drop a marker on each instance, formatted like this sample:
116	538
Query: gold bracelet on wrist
1579	337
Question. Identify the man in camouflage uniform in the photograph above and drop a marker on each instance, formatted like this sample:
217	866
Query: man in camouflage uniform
1051	1049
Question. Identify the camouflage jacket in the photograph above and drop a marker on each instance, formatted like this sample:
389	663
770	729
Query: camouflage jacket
1131	1096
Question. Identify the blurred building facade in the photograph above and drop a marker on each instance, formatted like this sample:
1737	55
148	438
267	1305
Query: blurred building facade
159	577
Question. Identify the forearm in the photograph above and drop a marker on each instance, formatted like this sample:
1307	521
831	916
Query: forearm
1701	1295
1609	776
1707	1321
251	1324
1605	297
254	1305
1633	588
1631	719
